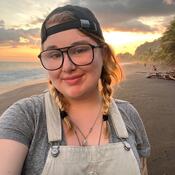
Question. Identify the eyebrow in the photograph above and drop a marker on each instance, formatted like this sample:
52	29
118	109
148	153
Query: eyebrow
80	42
51	47
73	44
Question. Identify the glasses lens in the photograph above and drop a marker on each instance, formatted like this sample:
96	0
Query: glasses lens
51	59
81	54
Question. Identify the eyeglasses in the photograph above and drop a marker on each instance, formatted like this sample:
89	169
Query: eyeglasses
79	55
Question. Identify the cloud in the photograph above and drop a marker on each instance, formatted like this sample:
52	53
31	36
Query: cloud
118	13
2	23
16	37
133	26
111	13
121	15
37	20
169	2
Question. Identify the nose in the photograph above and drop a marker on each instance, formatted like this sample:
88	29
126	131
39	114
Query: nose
68	65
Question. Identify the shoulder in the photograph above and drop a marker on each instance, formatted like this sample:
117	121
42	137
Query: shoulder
20	120
127	109
33	101
28	105
129	114
135	126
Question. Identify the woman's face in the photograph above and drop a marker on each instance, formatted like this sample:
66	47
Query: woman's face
71	80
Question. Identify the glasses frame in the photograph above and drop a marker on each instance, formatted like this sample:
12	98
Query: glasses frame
65	50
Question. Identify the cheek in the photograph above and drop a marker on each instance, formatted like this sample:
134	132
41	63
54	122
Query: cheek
95	70
53	75
54	78
98	64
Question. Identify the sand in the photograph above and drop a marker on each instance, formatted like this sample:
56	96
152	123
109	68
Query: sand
155	101
153	98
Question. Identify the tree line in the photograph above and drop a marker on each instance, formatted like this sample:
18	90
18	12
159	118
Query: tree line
161	50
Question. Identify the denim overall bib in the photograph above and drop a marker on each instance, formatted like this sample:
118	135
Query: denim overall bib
109	159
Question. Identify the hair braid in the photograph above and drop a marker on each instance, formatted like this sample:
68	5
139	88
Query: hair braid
111	71
60	102
106	90
56	95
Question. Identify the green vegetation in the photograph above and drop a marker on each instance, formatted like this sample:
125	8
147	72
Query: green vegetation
168	44
161	50
148	51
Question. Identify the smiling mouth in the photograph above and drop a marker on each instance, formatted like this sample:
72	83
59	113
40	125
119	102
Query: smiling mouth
73	80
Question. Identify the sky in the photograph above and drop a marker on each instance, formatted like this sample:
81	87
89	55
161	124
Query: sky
125	23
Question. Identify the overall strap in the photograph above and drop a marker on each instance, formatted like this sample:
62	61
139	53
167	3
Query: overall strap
117	120
53	119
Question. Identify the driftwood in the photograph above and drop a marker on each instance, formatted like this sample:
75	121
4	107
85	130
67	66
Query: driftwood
170	75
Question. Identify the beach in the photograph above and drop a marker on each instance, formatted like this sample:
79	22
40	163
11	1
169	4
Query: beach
14	75
155	101
153	98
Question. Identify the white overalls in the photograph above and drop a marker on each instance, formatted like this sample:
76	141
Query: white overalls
110	159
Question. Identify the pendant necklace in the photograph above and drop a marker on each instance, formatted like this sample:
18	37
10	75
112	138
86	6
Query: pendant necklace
85	137
105	119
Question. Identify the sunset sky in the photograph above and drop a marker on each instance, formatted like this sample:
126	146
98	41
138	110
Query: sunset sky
126	23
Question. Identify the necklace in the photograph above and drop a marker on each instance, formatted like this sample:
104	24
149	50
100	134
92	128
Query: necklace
81	144
85	137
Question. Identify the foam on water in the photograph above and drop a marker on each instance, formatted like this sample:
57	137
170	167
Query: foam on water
19	73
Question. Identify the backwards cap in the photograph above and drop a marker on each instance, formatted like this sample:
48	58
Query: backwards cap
85	20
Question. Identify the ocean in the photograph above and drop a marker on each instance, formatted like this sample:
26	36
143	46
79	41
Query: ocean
20	73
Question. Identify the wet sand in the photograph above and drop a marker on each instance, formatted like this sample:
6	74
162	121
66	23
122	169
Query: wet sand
153	98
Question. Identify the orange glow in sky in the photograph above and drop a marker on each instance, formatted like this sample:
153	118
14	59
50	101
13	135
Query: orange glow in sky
128	41
19	54
120	41
124	30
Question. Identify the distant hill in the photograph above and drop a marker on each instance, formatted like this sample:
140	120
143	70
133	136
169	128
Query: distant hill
152	52
144	52
148	51
125	57
161	50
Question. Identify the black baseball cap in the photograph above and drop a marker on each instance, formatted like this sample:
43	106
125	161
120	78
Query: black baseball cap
85	20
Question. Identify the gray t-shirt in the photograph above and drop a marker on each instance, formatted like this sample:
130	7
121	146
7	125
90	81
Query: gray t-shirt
25	122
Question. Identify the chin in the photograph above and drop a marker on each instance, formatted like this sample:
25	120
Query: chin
79	92
75	95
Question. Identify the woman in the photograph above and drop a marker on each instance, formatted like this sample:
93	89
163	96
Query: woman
76	127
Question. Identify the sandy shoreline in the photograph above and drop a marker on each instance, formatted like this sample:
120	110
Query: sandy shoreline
153	98
11	87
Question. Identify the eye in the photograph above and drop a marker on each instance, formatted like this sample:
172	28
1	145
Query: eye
80	49
54	54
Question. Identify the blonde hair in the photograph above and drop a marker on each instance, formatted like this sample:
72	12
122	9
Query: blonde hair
111	70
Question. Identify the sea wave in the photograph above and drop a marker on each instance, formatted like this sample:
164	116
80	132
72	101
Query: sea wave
17	72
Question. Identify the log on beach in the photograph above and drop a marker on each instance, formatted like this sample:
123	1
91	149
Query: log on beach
162	75
154	99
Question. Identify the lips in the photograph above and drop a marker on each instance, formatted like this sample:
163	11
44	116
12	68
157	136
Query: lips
72	80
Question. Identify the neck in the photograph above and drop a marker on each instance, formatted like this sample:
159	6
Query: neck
85	108
90	99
